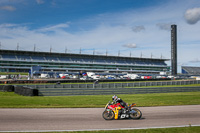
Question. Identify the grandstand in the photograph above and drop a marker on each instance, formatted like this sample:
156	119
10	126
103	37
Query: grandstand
24	61
190	70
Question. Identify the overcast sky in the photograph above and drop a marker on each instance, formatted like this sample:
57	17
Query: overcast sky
137	28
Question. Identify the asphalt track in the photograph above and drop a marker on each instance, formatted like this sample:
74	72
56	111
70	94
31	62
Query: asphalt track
78	119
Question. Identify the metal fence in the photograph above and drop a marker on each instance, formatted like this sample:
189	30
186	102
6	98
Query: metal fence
117	85
111	91
114	88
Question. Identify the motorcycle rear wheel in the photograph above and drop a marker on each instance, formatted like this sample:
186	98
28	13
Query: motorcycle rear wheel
136	115
108	115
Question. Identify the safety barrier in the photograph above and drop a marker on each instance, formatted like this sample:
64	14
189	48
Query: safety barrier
8	88
21	90
111	91
115	88
26	91
116	85
105	88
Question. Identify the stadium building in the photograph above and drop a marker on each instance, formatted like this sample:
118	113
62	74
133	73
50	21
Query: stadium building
189	70
26	61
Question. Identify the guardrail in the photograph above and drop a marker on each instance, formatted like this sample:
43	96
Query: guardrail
116	85
114	88
112	91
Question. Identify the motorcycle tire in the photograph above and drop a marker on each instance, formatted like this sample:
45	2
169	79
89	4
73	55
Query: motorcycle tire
108	115
136	115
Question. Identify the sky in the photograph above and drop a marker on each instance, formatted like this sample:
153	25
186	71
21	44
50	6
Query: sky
136	28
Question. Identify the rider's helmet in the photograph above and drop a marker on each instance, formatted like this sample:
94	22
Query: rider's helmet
114	97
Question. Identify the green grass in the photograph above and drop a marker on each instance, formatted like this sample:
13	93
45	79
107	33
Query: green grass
11	100
189	129
158	130
13	73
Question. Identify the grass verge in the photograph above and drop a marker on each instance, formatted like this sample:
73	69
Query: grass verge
12	100
195	129
13	73
158	130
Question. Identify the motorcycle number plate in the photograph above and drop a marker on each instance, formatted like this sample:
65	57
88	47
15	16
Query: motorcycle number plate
123	116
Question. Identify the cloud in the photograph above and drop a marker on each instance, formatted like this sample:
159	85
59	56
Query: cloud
130	45
109	31
40	1
8	25
192	16
138	28
8	8
54	27
195	61
164	26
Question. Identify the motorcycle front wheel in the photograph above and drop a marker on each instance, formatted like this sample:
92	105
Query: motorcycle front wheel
136	115
108	115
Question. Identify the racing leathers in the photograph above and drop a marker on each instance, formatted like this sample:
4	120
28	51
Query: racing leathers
122	103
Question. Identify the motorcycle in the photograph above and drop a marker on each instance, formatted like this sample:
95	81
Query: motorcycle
116	111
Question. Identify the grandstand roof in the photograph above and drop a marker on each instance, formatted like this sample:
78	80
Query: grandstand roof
190	70
77	55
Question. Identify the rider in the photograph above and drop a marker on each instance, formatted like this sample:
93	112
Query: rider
119	100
